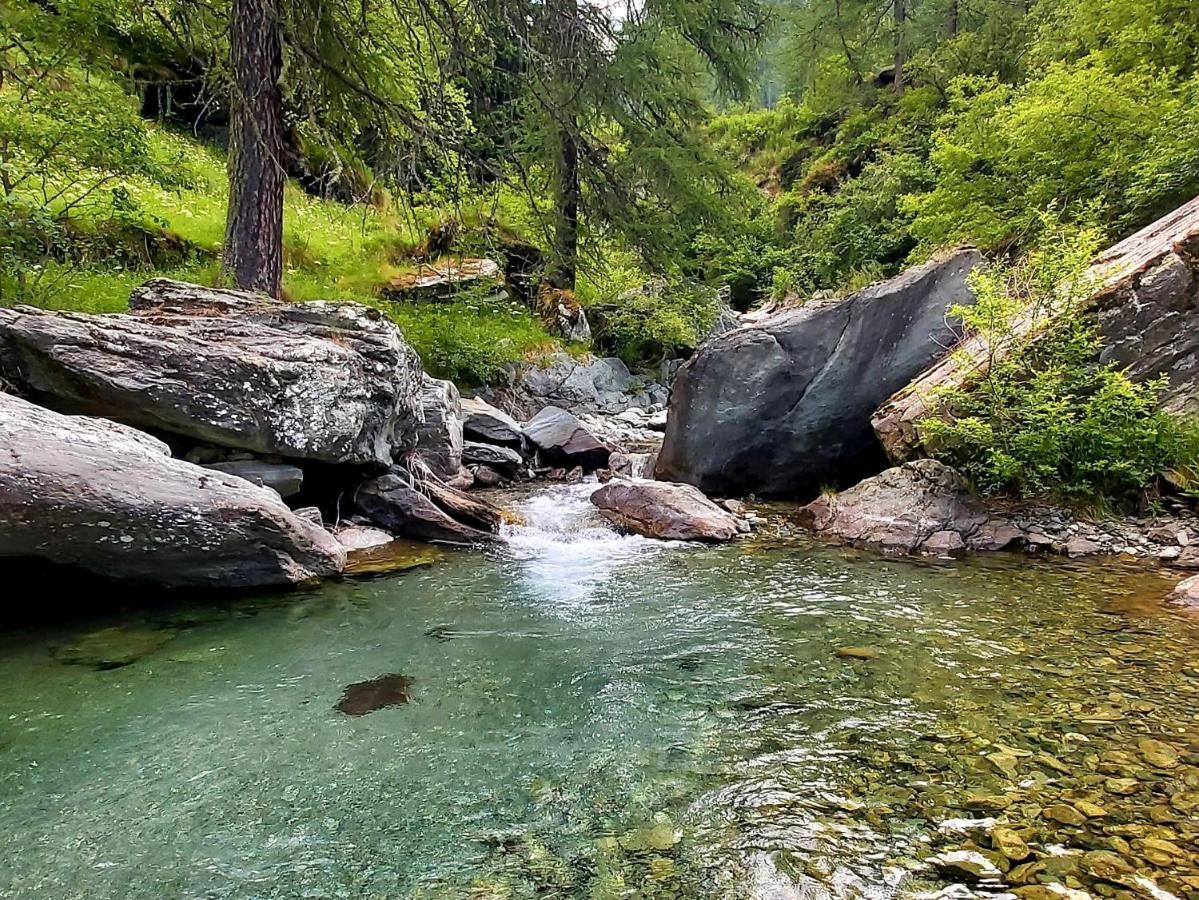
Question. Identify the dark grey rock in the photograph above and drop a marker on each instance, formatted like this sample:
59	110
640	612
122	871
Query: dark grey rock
562	440
328	382
395	505
502	458
104	497
782	407
483	422
281	478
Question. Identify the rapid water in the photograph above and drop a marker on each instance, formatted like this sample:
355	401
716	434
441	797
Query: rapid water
589	716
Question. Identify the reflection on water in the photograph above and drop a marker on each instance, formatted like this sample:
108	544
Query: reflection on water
591	716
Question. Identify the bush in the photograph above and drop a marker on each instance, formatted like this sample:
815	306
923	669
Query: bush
1048	417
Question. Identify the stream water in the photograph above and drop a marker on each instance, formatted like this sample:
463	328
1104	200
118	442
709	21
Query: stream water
586	715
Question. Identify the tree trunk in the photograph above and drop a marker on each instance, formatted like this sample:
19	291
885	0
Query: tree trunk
253	253
901	15
566	226
953	18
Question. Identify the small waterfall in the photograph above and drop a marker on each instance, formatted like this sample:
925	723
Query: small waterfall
565	549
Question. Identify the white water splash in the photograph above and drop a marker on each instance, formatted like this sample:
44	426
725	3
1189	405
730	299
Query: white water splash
566	550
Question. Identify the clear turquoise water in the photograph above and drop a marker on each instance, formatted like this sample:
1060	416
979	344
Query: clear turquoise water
592	716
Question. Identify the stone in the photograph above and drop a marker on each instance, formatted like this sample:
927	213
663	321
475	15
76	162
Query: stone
1157	753
361	537
391	558
394	504
486	477
281	478
1089	809
486	423
1064	814
326	382
1009	843
113	648
994	536
378	693
562	440
1187	559
1186	593
104	497
858	653
439	437
1079	546
736	507
656	509
1106	866
899	510
943	543
460	506
1122	786
503	459
309	514
782	407
443	280
968	864
584	385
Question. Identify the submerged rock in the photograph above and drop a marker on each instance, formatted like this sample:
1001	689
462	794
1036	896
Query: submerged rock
327	382
674	512
101	496
783	406
365	697
901	510
112	648
390	558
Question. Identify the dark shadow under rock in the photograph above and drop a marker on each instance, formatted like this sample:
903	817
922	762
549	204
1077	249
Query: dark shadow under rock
379	693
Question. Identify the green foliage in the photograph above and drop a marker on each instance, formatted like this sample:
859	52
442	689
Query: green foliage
1047	417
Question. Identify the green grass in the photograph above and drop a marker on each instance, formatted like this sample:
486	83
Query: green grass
331	252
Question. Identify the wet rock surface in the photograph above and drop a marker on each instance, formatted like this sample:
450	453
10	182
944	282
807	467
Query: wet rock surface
378	693
324	382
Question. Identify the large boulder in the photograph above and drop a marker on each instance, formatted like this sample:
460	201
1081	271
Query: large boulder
439	438
326	382
582	385
921	506
782	407
672	512
98	495
562	440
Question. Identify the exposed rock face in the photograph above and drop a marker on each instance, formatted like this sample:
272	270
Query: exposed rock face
327	382
1144	295
587	385
562	440
95	494
393	503
783	406
484	422
923	505
672	512
439	438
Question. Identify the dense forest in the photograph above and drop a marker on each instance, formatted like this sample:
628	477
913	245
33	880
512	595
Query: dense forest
649	162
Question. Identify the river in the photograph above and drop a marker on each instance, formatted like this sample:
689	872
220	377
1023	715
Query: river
590	715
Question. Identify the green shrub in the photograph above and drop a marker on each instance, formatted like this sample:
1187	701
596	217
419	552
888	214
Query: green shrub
1047	417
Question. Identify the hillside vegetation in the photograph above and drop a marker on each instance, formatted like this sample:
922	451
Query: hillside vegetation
894	129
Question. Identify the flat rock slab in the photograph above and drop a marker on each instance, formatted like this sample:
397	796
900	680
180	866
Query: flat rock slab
101	496
483	422
281	478
782	407
504	459
444	280
327	382
672	512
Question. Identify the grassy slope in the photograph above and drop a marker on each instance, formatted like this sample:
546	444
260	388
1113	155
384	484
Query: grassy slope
332	252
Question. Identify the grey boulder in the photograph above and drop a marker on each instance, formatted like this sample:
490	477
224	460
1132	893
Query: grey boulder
393	503
103	497
326	382
483	422
439	438
562	440
922	506
503	459
782	407
672	512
